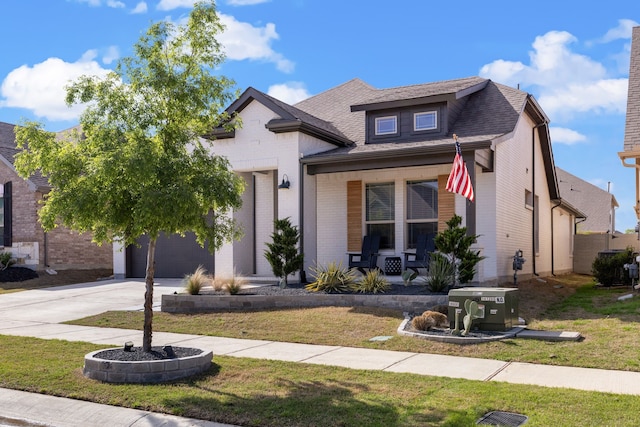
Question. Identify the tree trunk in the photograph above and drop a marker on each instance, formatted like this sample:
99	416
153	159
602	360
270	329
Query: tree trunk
148	296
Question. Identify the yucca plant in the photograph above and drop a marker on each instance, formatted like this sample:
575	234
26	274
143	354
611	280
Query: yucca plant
194	282
441	273
373	282
334	278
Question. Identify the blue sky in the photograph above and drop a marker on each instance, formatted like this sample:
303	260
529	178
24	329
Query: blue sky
573	56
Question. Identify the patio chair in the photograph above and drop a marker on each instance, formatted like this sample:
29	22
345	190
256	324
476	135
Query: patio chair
425	245
368	258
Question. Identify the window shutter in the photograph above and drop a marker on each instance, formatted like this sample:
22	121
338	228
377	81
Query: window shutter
354	215
446	203
7	241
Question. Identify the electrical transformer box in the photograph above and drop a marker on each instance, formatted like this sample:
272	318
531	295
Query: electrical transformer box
497	307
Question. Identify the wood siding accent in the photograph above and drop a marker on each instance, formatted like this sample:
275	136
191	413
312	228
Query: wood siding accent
354	215
446	203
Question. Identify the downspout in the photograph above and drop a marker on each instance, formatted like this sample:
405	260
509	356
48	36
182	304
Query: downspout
533	195
553	241
303	274
46	260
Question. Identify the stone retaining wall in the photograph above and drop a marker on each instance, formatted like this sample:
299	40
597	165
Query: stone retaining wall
142	372
184	303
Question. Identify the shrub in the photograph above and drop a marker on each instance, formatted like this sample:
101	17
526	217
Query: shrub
6	260
609	269
333	279
194	282
218	284
235	285
439	320
282	253
456	244
441	273
422	323
373	282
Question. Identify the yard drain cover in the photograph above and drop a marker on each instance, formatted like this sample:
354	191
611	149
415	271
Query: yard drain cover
506	419
381	338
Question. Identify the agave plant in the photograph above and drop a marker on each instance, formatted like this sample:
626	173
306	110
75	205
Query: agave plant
373	282
441	273
334	278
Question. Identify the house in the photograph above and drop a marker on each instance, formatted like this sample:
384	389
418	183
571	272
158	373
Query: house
21	232
598	205
356	160
631	155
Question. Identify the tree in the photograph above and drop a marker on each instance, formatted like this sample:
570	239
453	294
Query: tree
283	252
455	243
138	166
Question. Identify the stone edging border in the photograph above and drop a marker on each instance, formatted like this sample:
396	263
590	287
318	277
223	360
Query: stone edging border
147	371
185	303
451	339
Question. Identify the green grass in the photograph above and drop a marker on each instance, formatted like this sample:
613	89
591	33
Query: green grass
594	312
253	392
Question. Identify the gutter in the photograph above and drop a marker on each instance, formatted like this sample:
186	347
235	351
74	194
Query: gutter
533	191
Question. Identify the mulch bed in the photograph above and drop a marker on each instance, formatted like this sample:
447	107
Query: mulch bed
17	274
136	354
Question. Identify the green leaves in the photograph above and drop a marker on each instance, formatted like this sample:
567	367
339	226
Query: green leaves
138	166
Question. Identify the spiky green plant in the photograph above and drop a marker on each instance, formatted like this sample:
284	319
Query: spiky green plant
441	273
373	282
334	278
194	282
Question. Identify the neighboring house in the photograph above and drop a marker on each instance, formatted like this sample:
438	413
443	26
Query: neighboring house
21	232
598	205
361	160
631	155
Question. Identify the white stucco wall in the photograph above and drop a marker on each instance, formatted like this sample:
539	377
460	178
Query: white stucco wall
268	157
515	162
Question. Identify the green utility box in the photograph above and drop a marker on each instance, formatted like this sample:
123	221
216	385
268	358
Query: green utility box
498	307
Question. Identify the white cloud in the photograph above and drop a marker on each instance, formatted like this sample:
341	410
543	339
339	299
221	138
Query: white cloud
174	4
140	8
622	31
566	82
245	2
566	136
242	40
41	88
290	92
111	55
110	3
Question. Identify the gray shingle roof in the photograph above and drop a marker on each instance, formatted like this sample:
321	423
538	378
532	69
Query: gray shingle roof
597	204
632	126
489	113
8	150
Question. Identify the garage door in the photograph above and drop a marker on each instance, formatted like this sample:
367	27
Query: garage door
176	256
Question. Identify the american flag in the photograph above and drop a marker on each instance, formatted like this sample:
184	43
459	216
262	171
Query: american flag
459	180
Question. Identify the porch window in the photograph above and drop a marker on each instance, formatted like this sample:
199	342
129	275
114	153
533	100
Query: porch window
422	210
380	213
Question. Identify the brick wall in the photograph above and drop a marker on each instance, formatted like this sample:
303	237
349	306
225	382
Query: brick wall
61	248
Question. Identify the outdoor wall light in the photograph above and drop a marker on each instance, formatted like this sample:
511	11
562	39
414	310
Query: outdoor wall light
285	182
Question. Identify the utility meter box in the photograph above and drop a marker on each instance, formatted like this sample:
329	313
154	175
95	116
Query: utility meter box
498	307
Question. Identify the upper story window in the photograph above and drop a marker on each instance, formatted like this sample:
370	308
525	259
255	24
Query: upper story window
387	125
425	121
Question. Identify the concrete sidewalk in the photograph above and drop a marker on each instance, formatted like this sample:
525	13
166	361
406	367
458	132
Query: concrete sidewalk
37	313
